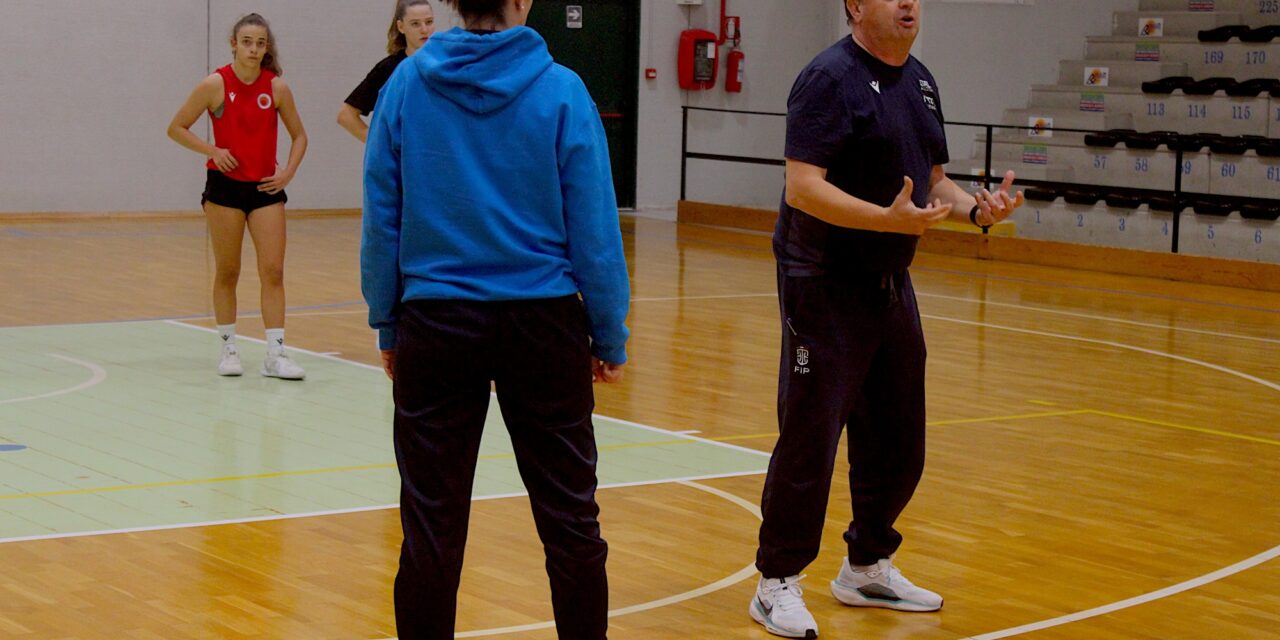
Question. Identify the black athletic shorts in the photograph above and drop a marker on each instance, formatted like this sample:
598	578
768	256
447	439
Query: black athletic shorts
235	194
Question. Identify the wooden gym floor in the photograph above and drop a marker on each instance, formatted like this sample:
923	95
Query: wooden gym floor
1103	456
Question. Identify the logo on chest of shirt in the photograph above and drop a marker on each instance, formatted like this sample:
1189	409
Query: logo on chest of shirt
232	97
926	92
875	84
264	101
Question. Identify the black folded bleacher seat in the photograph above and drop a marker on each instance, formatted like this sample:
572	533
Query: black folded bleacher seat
1254	87
1150	140
1269	148
1260	210
1229	145
1167	204
1252	141
1223	33
1120	200
1081	195
1261	34
1191	143
1109	138
1220	206
1040	194
1209	86
1167	85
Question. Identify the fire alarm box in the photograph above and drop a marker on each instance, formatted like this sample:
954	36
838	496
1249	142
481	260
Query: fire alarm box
699	59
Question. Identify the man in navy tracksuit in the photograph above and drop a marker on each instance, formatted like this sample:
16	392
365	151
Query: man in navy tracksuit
865	149
489	209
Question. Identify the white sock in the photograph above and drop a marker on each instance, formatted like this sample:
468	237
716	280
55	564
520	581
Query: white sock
275	341
228	334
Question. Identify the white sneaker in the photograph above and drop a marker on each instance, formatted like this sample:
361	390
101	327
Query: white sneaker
779	606
882	585
230	365
280	366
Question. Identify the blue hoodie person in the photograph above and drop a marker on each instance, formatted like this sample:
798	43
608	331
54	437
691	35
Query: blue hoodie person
489	209
488	178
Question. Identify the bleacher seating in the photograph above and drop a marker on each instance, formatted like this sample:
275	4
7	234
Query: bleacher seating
1195	81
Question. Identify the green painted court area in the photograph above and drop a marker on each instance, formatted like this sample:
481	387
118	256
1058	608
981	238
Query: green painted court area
121	426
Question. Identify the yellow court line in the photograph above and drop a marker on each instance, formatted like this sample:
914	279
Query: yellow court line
937	423
749	436
1021	416
634	445
287	474
1183	427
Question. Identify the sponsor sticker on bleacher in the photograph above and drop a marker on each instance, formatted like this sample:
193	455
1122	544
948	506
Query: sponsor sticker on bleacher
1093	102
1200	5
1147	52
1040	127
1151	27
1097	76
1035	154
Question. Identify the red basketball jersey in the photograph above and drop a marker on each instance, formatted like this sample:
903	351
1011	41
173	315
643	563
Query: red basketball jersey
247	126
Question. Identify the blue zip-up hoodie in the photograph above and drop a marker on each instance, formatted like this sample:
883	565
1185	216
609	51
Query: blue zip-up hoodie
486	177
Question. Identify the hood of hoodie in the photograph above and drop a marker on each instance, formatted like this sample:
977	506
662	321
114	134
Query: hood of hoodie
482	73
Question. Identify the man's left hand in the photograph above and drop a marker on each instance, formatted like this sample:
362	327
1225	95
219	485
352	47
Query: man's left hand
994	207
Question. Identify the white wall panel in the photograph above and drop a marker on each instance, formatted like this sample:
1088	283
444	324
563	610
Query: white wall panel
87	88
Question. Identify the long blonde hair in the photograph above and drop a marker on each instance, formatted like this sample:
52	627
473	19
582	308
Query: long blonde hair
396	42
271	60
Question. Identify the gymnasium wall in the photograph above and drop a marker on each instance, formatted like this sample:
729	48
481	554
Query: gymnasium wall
779	39
88	87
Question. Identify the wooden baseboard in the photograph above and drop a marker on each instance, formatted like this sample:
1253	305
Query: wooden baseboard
1261	276
720	215
102	216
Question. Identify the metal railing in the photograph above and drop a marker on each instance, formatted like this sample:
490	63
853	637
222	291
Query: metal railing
1178	196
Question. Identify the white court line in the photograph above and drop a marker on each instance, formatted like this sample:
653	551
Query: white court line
1154	595
1087	316
617	485
1073	314
728	296
335	512
351	312
98	374
1131	602
1117	345
637	425
179	323
728	581
1250	563
191	525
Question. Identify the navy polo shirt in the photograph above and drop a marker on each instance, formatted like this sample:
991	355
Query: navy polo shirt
868	124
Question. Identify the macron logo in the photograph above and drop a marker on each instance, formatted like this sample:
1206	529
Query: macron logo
875	84
232	95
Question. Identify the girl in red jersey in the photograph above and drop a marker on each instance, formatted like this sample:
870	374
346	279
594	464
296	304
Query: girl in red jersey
411	26
244	186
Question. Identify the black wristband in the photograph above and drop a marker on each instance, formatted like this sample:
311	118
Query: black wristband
973	217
